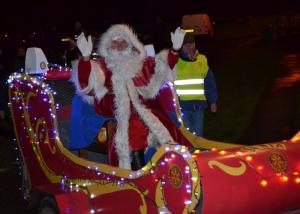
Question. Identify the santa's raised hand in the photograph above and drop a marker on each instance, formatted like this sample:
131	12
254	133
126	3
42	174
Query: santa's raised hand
177	38
85	45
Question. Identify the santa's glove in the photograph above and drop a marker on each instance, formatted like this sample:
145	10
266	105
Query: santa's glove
177	38
85	46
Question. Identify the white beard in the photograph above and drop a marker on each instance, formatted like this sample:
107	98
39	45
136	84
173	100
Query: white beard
126	64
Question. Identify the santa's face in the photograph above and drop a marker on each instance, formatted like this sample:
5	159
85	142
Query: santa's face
122	51
119	45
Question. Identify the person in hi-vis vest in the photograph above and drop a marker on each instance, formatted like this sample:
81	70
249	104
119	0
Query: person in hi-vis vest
195	85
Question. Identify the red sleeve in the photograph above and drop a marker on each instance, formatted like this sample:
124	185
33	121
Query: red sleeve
144	77
166	98
172	59
148	69
84	69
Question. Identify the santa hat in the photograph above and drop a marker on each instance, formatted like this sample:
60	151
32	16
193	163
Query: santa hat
120	31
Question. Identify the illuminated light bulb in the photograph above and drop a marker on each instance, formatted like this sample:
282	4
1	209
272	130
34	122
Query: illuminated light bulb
297	180
213	149
295	139
264	183
183	150
194	179
239	153
188	202
173	156
222	152
249	158
285	178
92	211
177	147
197	151
260	168
296	173
92	196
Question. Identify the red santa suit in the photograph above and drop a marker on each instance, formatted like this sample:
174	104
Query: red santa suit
120	84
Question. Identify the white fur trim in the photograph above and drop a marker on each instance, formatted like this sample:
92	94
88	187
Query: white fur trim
124	94
125	32
97	80
122	114
152	122
95	83
82	92
152	141
162	73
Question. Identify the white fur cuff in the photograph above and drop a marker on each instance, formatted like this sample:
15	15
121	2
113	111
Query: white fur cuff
97	80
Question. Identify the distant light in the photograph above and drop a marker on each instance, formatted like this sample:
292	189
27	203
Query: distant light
189	30
65	39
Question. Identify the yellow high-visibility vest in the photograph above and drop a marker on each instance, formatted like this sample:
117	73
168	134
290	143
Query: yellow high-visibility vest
190	78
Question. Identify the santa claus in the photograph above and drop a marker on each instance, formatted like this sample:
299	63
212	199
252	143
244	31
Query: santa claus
118	84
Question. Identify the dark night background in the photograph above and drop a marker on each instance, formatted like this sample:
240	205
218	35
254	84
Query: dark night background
36	14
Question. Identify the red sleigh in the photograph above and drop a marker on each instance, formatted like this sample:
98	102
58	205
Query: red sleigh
217	178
